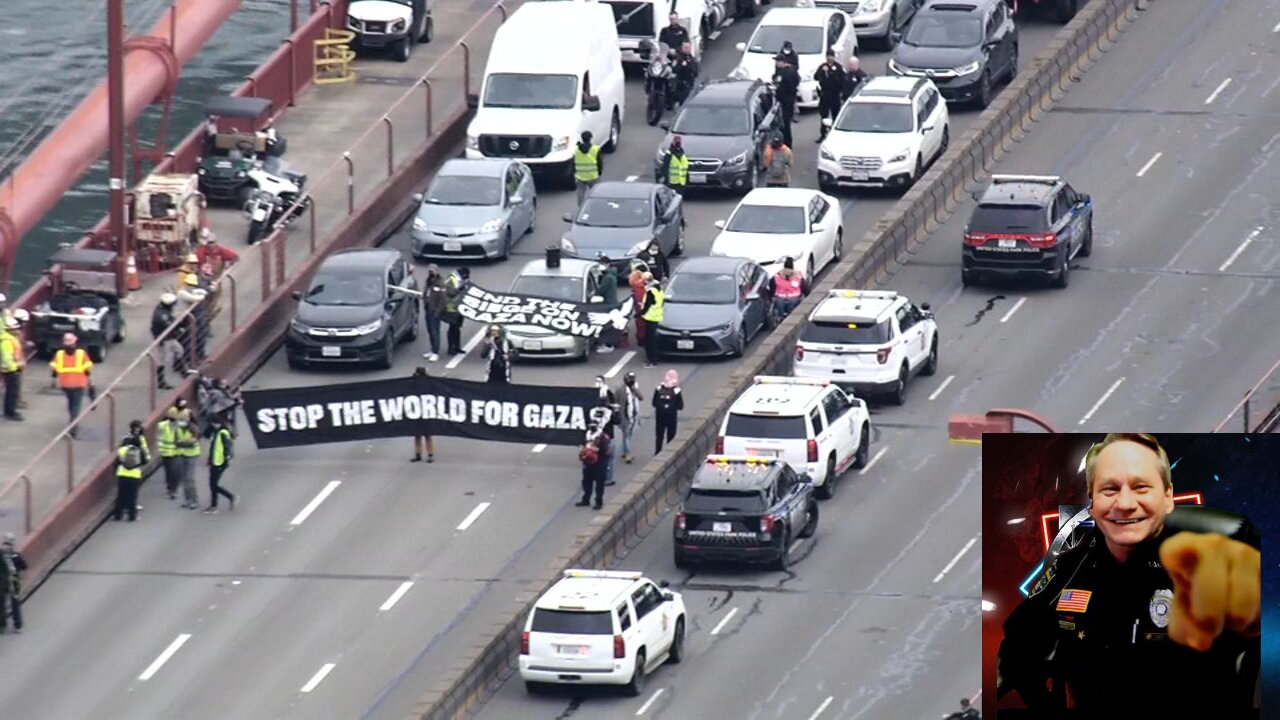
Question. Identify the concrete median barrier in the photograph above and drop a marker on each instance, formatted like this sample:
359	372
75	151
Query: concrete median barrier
637	507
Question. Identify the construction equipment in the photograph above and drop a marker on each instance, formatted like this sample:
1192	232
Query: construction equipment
168	213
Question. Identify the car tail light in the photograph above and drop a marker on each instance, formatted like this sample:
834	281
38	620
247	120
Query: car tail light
766	523
813	451
719	444
680	521
882	355
1047	240
524	643
976	239
799	353
619	647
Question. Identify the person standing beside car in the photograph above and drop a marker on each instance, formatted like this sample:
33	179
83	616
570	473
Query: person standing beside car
498	350
853	79
675	166
651	312
830	79
777	164
454	289
587	165
71	366
435	307
674	35
628	413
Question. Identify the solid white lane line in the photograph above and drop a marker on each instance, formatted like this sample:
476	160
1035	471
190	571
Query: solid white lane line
956	559
1223	267
1214	95
821	707
874	459
724	621
632	178
645	707
395	596
943	386
539	447
1013	310
714	34
159	662
1150	162
474	514
319	677
1101	400
622	362
466	350
315	502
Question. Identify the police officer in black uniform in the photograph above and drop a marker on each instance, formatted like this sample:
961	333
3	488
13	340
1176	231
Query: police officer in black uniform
830	78
786	82
1093	637
674	36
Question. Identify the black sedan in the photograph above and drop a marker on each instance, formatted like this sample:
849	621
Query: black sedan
620	219
714	306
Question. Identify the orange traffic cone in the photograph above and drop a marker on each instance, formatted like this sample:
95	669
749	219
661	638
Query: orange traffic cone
131	274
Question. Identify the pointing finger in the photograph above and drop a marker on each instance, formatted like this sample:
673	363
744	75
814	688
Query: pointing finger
1244	601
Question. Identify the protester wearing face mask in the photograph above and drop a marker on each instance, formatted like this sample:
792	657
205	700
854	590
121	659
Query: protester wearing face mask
607	289
605	413
188	444
629	400
667	404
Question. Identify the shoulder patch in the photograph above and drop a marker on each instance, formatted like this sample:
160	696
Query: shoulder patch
1043	582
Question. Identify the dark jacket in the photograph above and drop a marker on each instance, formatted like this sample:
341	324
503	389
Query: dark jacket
658	264
608	288
850	82
435	298
673	36
12	565
787	81
790	58
685	68
830	77
667	402
161	318
499	354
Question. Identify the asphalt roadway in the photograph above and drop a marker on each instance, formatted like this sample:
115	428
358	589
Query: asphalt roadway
247	610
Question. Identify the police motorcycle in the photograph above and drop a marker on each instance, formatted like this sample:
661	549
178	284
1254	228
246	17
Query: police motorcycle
274	198
659	79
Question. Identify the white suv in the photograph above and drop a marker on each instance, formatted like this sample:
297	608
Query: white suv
601	627
871	340
813	425
886	135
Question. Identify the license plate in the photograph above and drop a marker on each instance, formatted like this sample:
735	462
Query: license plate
762	452
453	247
331	351
839	360
697	178
861	176
573	649
684	344
722	527
532	345
1006	243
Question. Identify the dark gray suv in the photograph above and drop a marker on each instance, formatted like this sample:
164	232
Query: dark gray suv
724	127
965	47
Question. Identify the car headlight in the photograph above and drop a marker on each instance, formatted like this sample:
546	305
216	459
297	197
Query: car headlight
200	171
866	7
969	69
724	329
473	142
368	328
900	155
826	154
399	25
492	226
298	327
638	248
419	225
736	160
895	68
354	23
567	245
240	173
562	142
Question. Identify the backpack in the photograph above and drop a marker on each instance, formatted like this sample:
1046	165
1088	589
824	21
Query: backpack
589	455
132	457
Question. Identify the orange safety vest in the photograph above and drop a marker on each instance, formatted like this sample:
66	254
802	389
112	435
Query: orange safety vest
787	288
73	369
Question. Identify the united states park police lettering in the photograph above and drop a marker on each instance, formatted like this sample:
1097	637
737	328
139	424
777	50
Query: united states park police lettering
494	413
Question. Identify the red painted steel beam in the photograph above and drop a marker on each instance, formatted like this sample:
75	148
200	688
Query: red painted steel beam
64	156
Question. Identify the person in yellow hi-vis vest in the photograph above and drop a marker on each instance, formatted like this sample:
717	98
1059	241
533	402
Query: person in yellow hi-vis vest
221	450
167	446
188	445
131	458
651	313
587	165
71	366
12	363
675	166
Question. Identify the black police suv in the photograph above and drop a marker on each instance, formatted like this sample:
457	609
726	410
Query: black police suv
724	127
351	311
744	509
965	47
1027	225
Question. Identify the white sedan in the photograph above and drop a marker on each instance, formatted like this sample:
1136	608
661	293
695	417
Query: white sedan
772	224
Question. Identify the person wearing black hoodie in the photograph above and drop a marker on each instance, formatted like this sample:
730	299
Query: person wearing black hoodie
830	77
657	262
788	55
787	82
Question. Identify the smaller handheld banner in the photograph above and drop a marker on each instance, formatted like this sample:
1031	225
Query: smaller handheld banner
586	320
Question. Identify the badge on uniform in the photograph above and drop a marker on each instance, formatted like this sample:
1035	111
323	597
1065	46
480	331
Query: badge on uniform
1160	602
1074	600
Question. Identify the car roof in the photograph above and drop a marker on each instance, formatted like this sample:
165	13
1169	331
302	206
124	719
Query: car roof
370	258
724	92
569	267
724	472
1021	189
888	89
710	264
857	306
958	6
619	189
595	591
778	396
786	197
804	17
477	167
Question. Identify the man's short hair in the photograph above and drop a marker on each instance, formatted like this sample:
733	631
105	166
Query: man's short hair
1146	440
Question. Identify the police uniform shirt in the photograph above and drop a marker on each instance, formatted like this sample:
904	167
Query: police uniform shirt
1104	625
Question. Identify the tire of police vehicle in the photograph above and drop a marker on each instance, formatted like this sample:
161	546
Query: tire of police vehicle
1086	247
864	448
1064	274
403	50
931	365
900	389
676	653
827	489
784	558
811	526
636	686
679	560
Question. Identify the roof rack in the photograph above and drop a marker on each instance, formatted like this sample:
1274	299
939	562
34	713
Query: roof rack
1042	179
864	294
604	574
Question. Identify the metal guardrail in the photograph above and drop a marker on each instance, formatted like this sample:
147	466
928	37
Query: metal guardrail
1264	394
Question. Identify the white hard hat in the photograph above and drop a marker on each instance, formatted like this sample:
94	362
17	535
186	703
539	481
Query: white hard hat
11	323
168	299
22	315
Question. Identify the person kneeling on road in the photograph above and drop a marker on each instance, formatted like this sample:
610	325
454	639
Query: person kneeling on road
788	288
593	455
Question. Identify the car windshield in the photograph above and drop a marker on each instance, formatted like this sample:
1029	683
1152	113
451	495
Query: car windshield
845	333
567	289
614	212
768	39
766	426
570	622
519	90
876	118
708	502
771	219
702	288
712	121
1008	219
345	289
947	32
464	190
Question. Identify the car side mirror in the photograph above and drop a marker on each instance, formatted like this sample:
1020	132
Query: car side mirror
924	307
473	101
896	37
926	129
296	294
591	103
740	47
664	125
719	224
990	44
1086	198
418	198
516	199
668	596
806	478
568	217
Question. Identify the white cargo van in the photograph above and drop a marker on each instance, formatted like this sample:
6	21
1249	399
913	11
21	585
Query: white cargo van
554	70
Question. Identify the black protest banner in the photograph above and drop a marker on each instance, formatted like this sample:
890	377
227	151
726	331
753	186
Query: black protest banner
567	318
418	405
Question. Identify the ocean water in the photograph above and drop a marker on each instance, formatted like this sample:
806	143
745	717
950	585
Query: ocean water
54	54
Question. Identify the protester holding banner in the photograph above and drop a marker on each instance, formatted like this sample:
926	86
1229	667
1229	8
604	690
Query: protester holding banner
423	442
607	289
628	413
435	304
651	312
455	287
498	350
593	455
667	404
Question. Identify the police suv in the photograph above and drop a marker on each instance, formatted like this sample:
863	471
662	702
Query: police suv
810	423
601	627
870	340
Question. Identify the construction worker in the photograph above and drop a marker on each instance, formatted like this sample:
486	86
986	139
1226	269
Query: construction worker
172	353
651	313
188	446
675	166
167	446
194	295
587	165
71	366
221	451
12	565
218	258
12	362
190	268
131	458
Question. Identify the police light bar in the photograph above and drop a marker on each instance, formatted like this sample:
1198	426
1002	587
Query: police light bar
805	3
784	380
740	460
861	294
609	574
1043	179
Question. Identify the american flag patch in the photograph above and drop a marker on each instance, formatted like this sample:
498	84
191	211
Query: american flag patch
1074	600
